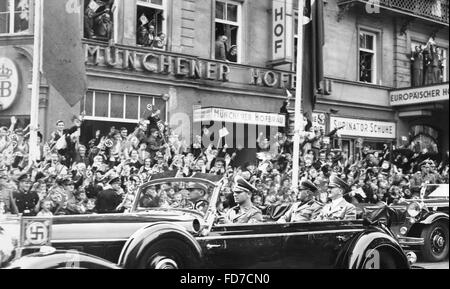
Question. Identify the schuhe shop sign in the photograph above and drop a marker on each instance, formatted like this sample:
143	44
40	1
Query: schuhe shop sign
185	67
419	95
364	128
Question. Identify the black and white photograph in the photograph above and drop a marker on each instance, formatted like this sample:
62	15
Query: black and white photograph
224	134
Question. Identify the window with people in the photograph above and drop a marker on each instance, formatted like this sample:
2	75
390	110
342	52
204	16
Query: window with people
228	24
151	24
367	57
428	63
14	16
99	19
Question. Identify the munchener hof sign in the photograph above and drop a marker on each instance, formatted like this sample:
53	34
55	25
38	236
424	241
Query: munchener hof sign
419	95
9	82
238	116
364	128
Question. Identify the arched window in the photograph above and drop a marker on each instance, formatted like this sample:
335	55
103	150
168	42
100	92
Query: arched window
424	137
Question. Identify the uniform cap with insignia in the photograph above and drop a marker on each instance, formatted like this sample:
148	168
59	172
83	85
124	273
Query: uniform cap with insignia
336	182
308	185
191	186
241	185
24	178
114	181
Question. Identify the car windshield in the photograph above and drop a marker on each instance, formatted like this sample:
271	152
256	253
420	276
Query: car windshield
437	191
176	195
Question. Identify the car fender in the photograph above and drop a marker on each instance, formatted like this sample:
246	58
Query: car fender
358	251
144	237
434	217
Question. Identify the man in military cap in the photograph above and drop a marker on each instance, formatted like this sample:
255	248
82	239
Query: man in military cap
26	200
197	192
109	199
306	208
244	212
339	208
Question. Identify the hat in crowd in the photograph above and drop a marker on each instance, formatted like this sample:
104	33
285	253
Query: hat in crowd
308	185
24	177
336	182
114	180
199	186
18	131
241	185
68	182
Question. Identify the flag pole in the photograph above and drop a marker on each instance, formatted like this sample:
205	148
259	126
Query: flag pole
298	98
34	106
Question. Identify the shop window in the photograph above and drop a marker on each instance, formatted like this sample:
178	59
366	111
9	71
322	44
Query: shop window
367	57
423	57
151	24
228	24
119	107
14	16
99	19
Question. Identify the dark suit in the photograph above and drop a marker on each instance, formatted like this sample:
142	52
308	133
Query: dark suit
107	201
417	66
221	50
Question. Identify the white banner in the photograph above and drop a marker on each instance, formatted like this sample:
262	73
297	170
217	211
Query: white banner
279	30
239	116
364	128
419	95
9	83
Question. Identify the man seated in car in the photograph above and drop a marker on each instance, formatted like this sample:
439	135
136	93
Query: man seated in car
306	208
339	208
150	199
197	192
244	212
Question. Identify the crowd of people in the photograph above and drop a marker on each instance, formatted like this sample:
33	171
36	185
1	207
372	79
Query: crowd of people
103	175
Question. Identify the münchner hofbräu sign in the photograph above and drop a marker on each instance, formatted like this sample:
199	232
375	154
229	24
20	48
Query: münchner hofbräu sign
239	116
419	95
364	128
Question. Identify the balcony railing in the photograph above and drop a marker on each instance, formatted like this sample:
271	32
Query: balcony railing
434	10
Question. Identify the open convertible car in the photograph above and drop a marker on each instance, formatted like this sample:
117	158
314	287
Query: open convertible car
420	224
161	236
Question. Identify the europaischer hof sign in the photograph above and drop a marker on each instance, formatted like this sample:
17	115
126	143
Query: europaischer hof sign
418	95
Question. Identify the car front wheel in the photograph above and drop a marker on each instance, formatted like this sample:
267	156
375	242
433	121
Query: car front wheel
435	236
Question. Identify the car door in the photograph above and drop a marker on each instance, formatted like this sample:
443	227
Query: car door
315	245
243	246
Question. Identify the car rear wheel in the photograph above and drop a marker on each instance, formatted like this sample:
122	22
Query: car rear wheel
167	254
435	246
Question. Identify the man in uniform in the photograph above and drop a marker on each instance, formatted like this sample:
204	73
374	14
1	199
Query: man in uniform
306	208
109	199
26	200
339	208
244	212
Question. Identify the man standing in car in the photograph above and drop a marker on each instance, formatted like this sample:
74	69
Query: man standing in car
244	212
306	208
339	208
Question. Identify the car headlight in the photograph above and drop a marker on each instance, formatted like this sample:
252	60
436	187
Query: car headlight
414	209
7	247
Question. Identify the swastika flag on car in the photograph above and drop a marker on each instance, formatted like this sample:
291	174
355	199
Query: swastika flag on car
62	51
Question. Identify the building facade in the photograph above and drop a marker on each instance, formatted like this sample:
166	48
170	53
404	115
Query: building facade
167	54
